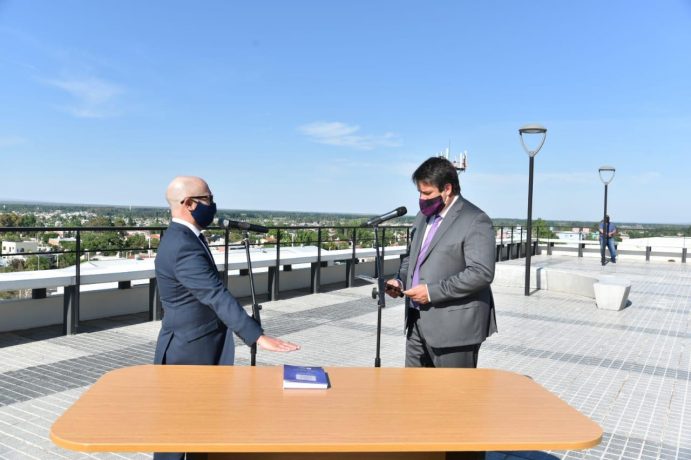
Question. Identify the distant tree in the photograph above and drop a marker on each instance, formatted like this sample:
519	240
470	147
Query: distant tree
9	219
16	264
11	236
306	237
69	221
99	221
542	230
66	260
27	220
365	237
47	236
37	263
136	241
106	242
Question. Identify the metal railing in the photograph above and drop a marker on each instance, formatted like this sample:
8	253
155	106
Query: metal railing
511	241
337	237
320	236
324	237
581	243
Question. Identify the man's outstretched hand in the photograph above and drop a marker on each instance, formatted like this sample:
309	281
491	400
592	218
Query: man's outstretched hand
273	344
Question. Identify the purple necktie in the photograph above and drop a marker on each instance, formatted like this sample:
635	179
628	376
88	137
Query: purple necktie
423	252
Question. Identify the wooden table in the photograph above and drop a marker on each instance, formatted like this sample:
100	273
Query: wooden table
385	411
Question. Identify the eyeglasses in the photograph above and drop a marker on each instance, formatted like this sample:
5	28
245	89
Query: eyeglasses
206	198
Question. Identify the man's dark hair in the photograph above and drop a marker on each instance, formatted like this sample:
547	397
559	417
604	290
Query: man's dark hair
438	172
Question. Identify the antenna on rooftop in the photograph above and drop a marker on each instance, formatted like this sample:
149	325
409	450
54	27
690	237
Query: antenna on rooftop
462	164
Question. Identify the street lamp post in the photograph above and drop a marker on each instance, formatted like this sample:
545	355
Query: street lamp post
606	176
541	130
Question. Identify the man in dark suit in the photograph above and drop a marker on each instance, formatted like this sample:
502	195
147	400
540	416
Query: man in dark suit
447	273
199	312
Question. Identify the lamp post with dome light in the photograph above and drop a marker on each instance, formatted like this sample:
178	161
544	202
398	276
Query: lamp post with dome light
606	176
531	130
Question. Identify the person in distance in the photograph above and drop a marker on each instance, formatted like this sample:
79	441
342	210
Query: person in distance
447	273
608	241
199	312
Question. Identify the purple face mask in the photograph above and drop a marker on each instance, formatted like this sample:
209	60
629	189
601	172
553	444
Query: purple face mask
432	206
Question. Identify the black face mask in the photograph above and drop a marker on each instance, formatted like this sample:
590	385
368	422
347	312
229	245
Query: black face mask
204	214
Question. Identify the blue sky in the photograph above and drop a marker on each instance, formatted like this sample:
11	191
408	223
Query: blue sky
330	106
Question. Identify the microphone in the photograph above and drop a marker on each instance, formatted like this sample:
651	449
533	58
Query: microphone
244	226
398	212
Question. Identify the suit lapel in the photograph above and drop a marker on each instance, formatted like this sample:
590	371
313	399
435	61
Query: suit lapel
190	234
446	224
419	230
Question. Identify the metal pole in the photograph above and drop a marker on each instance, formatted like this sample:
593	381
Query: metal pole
277	279
77	282
225	259
605	228
380	291
530	221
255	306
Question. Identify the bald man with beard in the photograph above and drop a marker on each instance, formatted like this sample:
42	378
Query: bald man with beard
199	312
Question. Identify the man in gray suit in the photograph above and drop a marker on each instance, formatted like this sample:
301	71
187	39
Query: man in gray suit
447	273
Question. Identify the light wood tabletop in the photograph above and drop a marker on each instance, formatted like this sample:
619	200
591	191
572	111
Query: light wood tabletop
245	409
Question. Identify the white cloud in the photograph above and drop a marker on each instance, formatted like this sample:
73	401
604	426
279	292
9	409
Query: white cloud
94	97
344	135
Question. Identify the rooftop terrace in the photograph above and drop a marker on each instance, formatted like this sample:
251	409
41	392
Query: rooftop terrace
628	370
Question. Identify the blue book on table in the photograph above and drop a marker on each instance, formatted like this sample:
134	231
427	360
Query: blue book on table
304	377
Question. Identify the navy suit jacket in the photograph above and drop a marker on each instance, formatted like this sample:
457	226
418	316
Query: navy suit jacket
198	310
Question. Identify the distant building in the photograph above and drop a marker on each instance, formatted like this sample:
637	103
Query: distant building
18	247
570	236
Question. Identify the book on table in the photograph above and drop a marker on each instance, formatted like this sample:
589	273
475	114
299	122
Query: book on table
304	377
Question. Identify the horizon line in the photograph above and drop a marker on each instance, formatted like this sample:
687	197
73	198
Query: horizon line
166	208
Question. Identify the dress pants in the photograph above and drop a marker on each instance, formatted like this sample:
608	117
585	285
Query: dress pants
610	246
418	353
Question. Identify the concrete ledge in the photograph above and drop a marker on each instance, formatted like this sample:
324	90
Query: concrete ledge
97	272
611	293
547	279
98	302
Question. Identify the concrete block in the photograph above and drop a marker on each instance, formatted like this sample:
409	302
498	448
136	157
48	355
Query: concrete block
611	292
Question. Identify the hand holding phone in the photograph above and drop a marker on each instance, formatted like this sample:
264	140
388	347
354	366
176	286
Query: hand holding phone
393	290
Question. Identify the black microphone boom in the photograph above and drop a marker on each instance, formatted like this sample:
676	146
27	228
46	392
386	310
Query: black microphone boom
245	226
398	212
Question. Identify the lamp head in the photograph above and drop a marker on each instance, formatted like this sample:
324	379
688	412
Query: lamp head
606	174
532	129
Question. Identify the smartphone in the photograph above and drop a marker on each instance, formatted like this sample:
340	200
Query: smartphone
393	289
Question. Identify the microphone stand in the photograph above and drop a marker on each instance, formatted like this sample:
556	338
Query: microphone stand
255	307
380	288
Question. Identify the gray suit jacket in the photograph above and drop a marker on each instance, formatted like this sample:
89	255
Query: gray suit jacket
458	269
